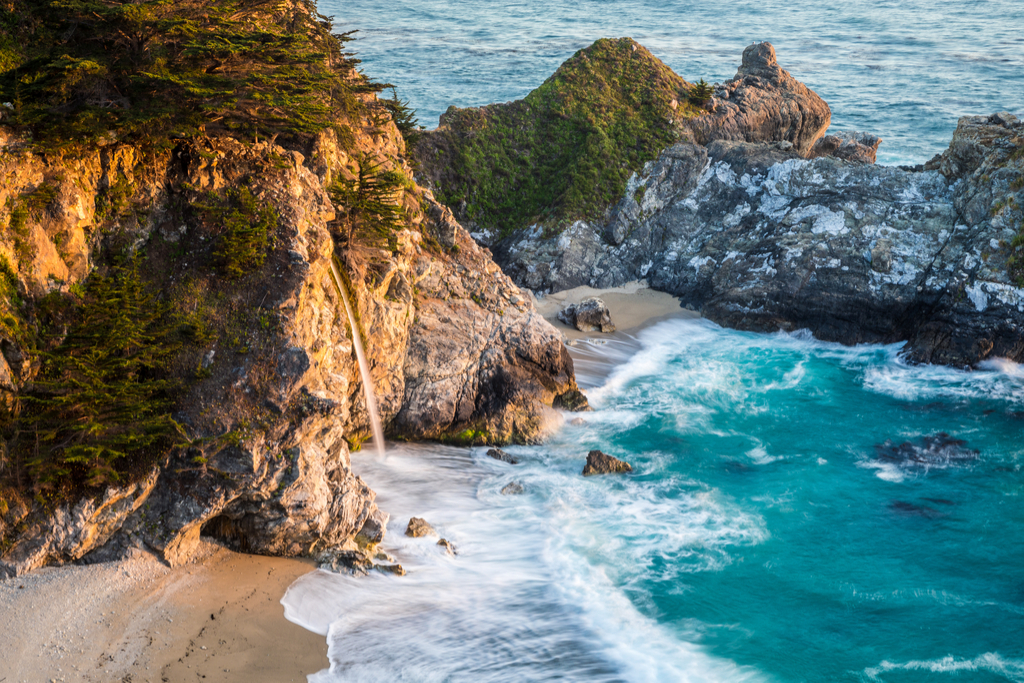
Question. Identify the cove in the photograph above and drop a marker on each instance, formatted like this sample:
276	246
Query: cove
799	511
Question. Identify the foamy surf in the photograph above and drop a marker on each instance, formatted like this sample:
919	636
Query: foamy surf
520	601
797	511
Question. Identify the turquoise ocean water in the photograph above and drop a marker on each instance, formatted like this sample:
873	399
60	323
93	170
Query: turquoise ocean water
902	69
799	511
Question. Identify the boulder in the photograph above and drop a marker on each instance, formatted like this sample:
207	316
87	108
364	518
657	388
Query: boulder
419	527
602	463
501	455
449	547
512	488
859	148
589	315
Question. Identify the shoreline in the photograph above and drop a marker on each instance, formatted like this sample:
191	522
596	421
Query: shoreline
633	306
220	618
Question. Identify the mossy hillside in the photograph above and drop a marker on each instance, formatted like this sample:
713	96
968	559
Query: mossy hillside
565	151
77	71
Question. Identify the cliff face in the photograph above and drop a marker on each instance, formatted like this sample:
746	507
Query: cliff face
272	403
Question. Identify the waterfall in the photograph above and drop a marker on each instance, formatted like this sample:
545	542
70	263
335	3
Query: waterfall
364	366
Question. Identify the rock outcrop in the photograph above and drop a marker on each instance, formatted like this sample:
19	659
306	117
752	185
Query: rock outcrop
757	237
589	315
764	103
599	462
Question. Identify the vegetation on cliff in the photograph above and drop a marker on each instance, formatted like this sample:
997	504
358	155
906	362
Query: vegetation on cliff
566	150
76	71
102	363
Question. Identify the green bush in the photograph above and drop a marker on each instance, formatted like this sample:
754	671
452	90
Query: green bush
701	93
566	151
146	70
370	204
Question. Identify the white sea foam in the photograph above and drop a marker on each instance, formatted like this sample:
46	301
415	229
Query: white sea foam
533	593
990	662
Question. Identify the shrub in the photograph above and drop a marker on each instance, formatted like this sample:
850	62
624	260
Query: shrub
701	93
566	151
370	204
146	70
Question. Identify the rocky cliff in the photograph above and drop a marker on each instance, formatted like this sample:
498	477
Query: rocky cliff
762	223
266	391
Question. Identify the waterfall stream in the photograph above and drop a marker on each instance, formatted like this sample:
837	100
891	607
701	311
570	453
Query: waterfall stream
364	366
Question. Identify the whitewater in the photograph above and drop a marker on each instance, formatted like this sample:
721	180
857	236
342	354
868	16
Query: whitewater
799	510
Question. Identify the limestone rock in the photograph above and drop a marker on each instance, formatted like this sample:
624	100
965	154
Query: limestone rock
602	463
449	547
589	315
482	366
499	454
72	531
454	348
418	527
513	488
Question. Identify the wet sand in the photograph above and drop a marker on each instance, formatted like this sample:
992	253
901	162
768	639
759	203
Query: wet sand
633	307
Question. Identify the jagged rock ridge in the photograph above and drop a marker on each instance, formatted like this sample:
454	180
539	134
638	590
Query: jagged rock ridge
761	223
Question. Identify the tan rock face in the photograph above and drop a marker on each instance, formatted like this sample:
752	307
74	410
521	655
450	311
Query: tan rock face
602	463
455	353
764	103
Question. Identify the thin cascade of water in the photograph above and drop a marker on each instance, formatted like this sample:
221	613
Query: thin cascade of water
364	366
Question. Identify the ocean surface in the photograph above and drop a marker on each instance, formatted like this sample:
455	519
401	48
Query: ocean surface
799	511
901	69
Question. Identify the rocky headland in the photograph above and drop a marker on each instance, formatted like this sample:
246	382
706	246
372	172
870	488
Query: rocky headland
759	221
212	251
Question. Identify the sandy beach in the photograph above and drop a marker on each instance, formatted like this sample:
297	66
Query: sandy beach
138	620
633	306
220	619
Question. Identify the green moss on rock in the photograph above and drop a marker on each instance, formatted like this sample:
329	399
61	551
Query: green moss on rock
565	151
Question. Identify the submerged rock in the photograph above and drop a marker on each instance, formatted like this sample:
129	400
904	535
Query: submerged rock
449	547
589	315
936	451
501	455
602	463
419	527
905	509
512	488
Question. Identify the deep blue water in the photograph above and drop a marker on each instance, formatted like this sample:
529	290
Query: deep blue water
901	69
799	511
